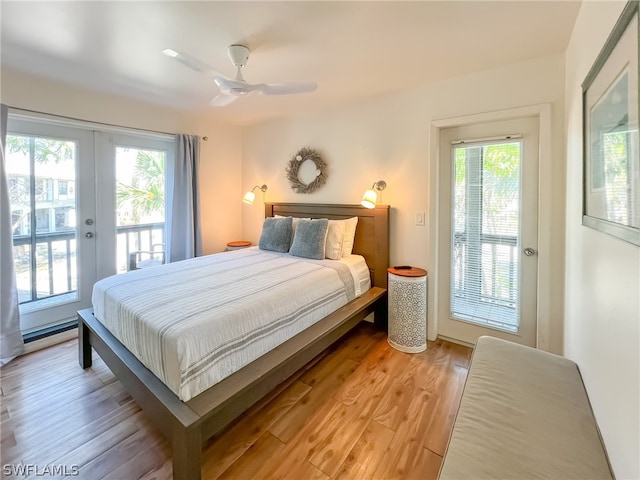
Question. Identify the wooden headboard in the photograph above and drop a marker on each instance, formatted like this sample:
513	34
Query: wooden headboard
372	232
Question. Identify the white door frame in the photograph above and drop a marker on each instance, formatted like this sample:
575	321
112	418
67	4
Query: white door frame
543	113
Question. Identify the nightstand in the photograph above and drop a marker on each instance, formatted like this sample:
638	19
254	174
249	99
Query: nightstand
407	309
237	245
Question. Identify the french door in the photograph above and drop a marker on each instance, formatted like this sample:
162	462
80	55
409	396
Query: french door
82	203
50	172
488	231
131	200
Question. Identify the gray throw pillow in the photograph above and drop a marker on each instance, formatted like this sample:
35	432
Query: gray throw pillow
276	234
310	238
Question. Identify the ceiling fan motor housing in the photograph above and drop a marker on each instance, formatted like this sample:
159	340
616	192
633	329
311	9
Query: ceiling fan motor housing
232	87
239	55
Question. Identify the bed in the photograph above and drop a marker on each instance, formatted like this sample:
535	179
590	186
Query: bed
189	423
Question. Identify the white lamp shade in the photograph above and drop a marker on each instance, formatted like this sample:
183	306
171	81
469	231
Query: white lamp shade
249	198
369	199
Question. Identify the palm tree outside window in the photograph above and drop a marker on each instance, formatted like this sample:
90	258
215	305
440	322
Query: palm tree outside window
140	205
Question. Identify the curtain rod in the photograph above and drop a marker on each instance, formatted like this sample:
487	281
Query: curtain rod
90	122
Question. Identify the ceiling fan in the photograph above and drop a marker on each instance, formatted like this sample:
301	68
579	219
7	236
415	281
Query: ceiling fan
232	88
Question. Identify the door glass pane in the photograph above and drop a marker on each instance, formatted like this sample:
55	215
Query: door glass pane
42	193
140	207
485	235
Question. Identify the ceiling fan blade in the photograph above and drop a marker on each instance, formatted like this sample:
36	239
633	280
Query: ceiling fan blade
286	88
192	62
222	100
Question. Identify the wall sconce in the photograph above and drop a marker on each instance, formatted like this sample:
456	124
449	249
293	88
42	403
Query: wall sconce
249	197
370	197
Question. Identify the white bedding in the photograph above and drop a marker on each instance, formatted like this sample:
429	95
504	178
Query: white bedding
195	322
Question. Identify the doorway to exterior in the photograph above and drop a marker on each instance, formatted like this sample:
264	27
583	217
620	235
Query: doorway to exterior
82	202
488	231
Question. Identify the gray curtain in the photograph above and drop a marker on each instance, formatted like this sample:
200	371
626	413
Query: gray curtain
184	238
11	343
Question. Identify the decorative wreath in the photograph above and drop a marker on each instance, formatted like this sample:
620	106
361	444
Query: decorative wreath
294	166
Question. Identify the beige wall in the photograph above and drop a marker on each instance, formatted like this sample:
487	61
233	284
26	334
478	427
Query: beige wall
220	186
388	138
602	313
220	155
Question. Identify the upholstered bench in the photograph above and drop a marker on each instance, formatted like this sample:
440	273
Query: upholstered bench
524	414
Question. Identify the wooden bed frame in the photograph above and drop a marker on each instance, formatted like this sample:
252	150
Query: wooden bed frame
188	424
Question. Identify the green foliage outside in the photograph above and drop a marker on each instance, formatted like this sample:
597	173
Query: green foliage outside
500	171
44	149
501	189
145	195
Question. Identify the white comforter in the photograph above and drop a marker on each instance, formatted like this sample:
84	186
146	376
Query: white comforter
193	323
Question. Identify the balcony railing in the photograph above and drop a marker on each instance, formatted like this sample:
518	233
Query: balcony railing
498	272
50	269
137	237
485	283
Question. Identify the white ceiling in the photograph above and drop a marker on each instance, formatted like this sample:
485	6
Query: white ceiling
352	49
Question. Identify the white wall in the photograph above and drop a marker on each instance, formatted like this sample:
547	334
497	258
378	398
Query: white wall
220	155
602	304
388	138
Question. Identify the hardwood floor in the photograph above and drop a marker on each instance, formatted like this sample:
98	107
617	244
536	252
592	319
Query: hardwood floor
362	411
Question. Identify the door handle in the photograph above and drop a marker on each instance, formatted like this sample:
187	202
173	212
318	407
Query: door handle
89	235
529	252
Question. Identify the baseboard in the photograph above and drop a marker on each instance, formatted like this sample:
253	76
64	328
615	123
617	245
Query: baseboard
459	342
50	341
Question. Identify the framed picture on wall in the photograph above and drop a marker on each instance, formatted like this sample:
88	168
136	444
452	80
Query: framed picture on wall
611	110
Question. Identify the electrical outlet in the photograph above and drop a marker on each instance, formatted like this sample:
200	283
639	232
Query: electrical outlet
420	219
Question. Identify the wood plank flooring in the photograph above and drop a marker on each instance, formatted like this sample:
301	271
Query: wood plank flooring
362	411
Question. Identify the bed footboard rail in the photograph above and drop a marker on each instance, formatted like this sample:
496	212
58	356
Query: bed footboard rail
174	418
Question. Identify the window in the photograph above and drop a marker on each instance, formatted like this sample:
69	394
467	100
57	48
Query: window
140	203
38	169
63	188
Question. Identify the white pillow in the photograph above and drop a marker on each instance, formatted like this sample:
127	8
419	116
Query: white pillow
349	235
335	240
